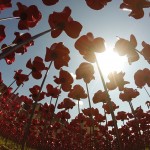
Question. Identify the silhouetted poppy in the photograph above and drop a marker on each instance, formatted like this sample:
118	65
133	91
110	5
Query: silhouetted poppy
146	51
63	115
106	107
122	115
124	47
50	2
20	78
51	91
65	79
100	118
77	92
116	80
37	66
90	111
2	33
1	80
128	94
29	16
85	71
87	45
62	21
98	4
100	96
9	58
136	7
35	93
21	38
142	77
5	4
66	103
59	54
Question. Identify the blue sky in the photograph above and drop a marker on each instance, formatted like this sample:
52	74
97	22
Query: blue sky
107	23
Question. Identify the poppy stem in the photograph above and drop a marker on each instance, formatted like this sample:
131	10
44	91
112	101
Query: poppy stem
27	127
147	92
51	100
110	107
78	107
7	46
9	18
14	48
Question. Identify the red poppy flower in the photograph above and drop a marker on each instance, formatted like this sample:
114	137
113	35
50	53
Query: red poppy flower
106	107
124	47
20	38
2	33
142	77
87	45
29	16
20	78
90	111
77	92
35	92
66	103
98	4
62	21
9	58
63	115
59	54
122	115
37	66
5	4
50	2
1	81
136	7
100	96
85	71
51	91
65	79
116	80
100	118
146	51
128	94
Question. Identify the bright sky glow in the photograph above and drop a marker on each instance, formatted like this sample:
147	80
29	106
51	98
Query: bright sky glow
80	103
110	61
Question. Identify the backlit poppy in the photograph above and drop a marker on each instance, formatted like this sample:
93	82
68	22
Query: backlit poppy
20	78
136	7
50	2
5	4
65	79
35	93
21	38
116	80
51	91
87	45
62	21
29	16
121	115
90	111
59	54
77	92
37	66
124	47
98	4
66	103
9	58
86	72
146	51
128	94
142	77
100	96
2	33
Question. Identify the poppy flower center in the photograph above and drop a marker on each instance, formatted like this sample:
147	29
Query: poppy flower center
54	55
19	40
33	69
61	25
23	16
63	80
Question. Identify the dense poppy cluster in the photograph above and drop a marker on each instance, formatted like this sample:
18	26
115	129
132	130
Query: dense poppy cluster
26	120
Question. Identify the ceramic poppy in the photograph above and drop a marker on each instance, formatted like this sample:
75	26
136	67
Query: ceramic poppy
100	96
28	16
37	66
59	54
5	4
136	7
146	51
86	72
50	2
62	21
2	33
87	45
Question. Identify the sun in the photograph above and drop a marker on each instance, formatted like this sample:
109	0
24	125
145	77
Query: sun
110	61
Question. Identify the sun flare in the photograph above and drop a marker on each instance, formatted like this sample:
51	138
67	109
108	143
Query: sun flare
110	61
